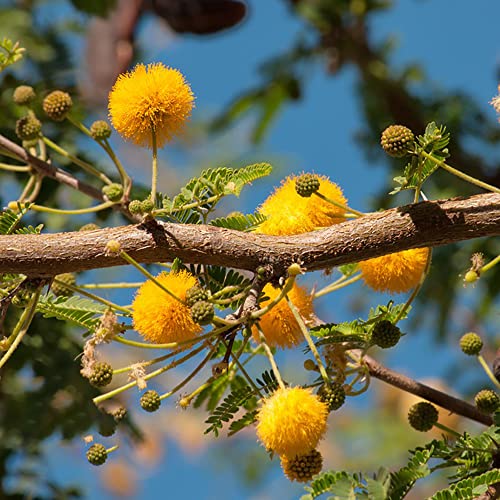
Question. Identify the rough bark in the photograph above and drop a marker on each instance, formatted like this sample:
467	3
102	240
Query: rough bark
432	223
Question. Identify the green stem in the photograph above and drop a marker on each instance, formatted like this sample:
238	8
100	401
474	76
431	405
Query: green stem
339	205
337	285
460	174
149	376
150	362
188	206
96	208
36	189
486	368
112	449
97	286
154	176
77	289
171	345
419	185
288	286
179	386
27	188
447	429
490	264
310	343
83	164
270	357
14	168
125	256
415	291
22	326
125	179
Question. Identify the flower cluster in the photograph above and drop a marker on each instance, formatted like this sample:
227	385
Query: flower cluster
279	325
289	213
150	98
291	421
158	316
396	272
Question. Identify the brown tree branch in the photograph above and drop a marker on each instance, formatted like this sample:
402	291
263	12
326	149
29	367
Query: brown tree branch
49	170
441	399
432	223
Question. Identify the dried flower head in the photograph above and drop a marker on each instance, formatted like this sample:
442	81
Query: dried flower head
158	316
396	272
292	421
148	98
289	213
279	325
495	102
138	373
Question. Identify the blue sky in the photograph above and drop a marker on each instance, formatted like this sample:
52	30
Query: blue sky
459	47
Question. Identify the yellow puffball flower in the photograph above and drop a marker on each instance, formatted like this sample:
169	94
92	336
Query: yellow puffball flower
396	272
153	97
289	213
292	421
279	325
158	316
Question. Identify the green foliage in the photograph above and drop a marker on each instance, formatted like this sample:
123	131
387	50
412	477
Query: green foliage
95	7
469	488
403	480
212	394
239	222
225	412
345	486
9	220
348	269
201	194
29	229
434	141
247	419
355	333
217	278
10	53
242	395
268	382
76	310
469	454
268	100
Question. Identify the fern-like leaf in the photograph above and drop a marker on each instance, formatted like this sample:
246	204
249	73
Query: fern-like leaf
29	230
268	382
226	410
327	482
80	311
247	419
9	219
469	488
403	480
239	222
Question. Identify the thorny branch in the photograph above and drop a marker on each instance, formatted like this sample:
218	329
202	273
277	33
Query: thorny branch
441	399
431	223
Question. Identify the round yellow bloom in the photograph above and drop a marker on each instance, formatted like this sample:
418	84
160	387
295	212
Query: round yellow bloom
289	213
396	272
279	325
292	421
150	97
160	318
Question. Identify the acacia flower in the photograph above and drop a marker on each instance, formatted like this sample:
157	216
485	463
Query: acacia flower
158	316
289	213
279	325
396	272
153	97
291	421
